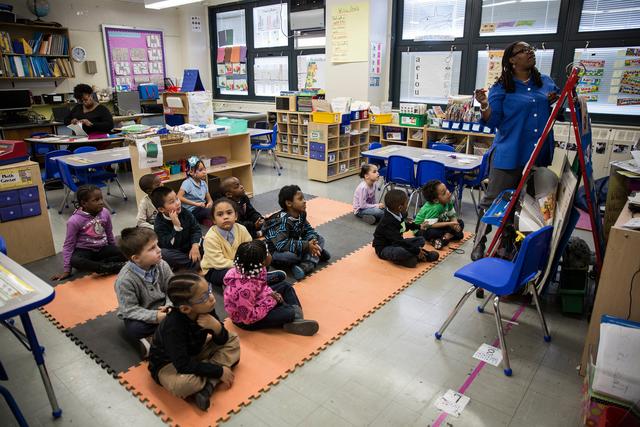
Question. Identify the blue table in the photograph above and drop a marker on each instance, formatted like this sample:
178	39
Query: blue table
29	292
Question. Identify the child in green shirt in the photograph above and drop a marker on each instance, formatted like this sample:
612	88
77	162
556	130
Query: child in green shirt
439	213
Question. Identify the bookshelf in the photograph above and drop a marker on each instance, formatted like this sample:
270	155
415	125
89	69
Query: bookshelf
334	155
34	53
394	134
464	141
293	130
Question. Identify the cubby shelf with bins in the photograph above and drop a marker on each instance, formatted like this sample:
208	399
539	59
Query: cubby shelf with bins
293	128
394	134
334	154
464	141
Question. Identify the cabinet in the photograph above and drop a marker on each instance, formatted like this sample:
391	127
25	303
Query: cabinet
49	59
393	134
335	150
236	149
465	141
293	134
24	218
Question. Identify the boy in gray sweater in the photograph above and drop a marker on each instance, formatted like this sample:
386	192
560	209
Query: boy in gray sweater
141	285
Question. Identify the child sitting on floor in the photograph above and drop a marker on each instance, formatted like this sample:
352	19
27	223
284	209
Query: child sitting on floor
388	241
221	241
439	215
179	233
89	244
194	191
247	214
292	241
253	304
146	211
141	285
191	350
364	198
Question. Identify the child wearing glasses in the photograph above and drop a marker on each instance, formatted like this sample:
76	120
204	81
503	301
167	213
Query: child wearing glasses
192	351
253	304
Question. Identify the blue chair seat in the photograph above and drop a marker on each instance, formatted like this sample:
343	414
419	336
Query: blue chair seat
492	274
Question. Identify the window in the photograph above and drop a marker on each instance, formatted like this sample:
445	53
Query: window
433	20
544	59
310	40
611	82
270	27
512	17
231	66
429	76
607	15
311	71
271	75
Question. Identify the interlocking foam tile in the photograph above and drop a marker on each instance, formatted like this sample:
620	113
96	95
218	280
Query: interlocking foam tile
268	356
82	299
321	210
266	203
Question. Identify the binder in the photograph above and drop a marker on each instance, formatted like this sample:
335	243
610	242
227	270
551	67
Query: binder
191	81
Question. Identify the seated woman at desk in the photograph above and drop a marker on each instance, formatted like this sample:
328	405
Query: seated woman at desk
93	117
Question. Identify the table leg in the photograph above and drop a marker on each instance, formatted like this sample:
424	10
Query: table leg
37	355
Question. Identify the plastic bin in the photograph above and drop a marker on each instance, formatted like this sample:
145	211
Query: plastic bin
381	118
413	120
325	117
235	125
573	287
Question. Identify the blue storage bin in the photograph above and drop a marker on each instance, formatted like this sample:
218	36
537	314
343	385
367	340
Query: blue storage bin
10	213
346	119
148	91
30	209
9	198
29	195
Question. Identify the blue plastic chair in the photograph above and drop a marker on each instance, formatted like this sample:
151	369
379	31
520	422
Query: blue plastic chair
426	171
476	182
442	147
11	403
41	149
101	174
270	147
381	164
501	277
73	181
51	171
400	172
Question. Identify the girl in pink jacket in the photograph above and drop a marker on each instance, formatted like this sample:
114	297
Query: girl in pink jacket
252	304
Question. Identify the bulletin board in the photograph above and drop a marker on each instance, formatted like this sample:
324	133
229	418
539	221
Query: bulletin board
134	56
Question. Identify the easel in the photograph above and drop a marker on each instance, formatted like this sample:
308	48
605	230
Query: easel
568	93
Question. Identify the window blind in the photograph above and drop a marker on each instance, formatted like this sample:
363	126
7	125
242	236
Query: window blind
607	15
512	17
433	20
544	59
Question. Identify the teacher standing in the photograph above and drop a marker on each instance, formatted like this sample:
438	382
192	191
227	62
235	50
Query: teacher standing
93	117
518	107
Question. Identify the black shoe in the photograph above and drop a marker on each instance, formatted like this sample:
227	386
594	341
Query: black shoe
430	256
409	262
480	293
276	276
299	315
302	327
369	219
144	345
111	268
202	399
325	256
478	252
307	267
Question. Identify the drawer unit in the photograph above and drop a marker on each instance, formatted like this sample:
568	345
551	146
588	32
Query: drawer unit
19	203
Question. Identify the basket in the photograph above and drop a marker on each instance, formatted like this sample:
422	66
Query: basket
325	117
413	120
171	138
381	118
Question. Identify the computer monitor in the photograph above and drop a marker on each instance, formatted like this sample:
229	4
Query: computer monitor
15	99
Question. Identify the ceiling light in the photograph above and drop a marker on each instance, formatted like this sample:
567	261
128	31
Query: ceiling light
164	4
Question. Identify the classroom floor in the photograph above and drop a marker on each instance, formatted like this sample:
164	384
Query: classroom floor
389	370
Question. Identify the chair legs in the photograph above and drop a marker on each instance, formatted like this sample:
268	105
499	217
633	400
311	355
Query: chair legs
455	311
255	160
276	162
64	200
503	345
536	300
124	195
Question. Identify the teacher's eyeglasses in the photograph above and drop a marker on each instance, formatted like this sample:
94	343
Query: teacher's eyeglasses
528	49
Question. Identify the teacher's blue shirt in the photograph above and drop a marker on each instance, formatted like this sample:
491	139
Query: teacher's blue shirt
519	118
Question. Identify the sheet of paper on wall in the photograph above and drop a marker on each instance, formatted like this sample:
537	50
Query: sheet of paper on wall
430	75
122	68
153	40
77	129
138	54
617	372
200	108
155	54
140	68
120	54
149	152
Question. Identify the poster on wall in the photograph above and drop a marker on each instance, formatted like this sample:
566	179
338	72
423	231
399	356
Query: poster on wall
350	33
494	67
134	56
432	75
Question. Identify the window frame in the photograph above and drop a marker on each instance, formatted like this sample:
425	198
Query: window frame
289	51
564	41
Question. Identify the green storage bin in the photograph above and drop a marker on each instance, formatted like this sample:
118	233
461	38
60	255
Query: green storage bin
413	120
573	288
235	125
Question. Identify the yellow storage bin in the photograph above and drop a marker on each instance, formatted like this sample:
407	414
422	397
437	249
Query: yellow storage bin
381	118
325	117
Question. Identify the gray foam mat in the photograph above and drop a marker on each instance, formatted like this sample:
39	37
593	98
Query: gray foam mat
267	203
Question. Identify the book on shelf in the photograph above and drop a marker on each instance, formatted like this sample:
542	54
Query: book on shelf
35	66
41	44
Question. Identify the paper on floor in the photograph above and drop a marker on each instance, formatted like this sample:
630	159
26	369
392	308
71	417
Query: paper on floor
452	402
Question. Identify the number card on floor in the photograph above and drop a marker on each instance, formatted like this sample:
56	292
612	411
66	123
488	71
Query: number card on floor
489	354
452	402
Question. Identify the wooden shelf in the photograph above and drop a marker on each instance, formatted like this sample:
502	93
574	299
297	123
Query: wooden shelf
217	168
35	78
459	132
35	54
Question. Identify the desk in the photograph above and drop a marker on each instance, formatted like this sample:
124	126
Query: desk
255	132
38	295
20	131
93	159
78	143
136	117
454	161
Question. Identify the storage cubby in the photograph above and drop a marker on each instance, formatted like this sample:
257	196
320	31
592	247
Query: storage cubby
292	133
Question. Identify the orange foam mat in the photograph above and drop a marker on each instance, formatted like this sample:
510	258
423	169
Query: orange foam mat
80	300
321	210
270	355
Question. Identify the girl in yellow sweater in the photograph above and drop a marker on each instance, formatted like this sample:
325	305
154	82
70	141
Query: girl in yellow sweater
221	243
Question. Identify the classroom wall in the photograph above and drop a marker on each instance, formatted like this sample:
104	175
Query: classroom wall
83	18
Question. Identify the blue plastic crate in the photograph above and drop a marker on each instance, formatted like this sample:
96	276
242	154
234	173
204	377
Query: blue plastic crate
498	208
